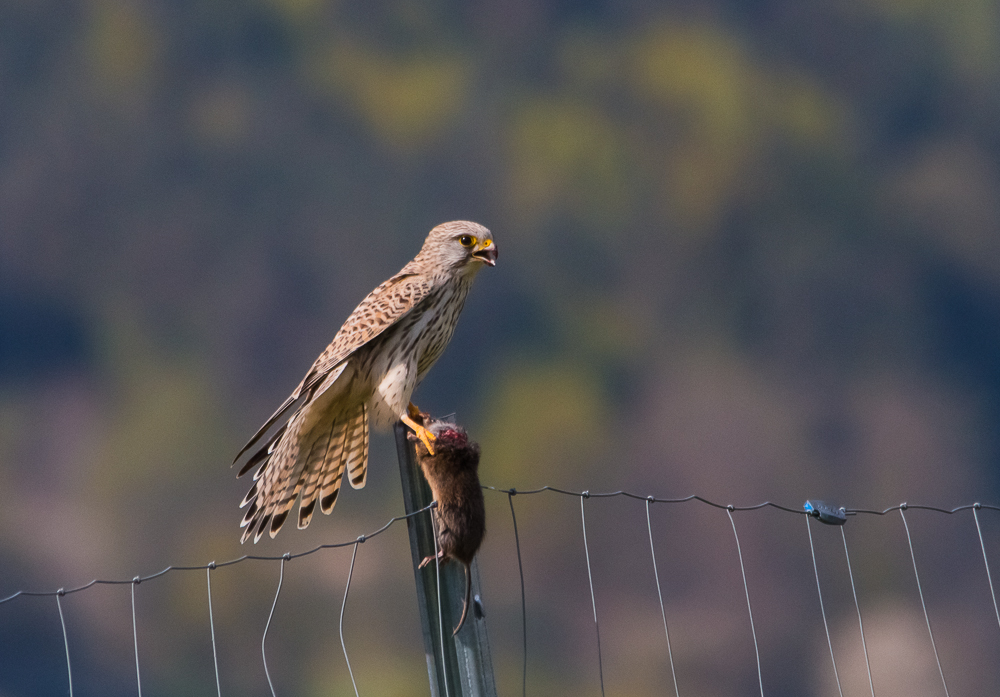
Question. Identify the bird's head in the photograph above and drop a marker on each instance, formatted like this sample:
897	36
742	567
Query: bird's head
461	245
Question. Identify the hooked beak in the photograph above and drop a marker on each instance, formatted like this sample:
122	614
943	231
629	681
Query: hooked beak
487	254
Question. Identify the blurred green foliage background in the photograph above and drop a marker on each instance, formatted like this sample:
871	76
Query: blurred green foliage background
749	250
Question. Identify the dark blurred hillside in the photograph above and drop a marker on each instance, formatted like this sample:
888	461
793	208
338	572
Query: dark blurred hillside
748	250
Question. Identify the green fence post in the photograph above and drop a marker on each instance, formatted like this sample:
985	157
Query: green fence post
465	669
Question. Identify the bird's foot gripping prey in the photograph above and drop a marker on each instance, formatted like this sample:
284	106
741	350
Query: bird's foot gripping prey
415	420
364	378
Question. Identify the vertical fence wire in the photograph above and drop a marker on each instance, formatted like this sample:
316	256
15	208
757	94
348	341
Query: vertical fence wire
923	604
822	609
746	589
437	570
989	576
347	588
593	599
583	496
857	605
263	639
659	593
211	625
62	620
135	638
524	610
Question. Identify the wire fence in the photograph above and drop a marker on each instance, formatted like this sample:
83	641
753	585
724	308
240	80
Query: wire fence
810	513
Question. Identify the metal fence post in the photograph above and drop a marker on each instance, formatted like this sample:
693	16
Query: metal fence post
466	668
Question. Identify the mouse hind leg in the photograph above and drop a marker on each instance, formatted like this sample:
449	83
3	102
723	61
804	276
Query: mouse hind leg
427	560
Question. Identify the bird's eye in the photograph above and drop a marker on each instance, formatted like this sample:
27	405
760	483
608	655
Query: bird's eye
467	240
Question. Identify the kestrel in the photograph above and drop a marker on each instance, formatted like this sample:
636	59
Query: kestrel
366	375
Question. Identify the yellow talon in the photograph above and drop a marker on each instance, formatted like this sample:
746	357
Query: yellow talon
411	419
413	411
425	437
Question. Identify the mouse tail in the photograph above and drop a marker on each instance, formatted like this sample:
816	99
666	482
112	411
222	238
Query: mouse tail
468	598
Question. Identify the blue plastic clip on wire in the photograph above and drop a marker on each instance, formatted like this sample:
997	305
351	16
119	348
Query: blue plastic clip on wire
831	515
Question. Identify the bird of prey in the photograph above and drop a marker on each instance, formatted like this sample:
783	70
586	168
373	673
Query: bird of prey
364	377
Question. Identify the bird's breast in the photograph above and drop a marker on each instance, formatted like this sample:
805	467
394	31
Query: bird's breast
404	354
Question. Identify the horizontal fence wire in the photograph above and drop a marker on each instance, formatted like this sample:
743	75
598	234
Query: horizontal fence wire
510	493
287	556
765	504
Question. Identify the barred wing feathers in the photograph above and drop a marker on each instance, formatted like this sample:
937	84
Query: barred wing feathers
292	462
381	309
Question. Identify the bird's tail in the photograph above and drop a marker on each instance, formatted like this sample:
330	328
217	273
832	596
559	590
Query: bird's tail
345	448
311	463
276	482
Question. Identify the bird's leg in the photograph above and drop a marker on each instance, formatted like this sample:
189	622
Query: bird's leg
413	419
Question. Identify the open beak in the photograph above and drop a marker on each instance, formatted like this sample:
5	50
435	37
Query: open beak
487	254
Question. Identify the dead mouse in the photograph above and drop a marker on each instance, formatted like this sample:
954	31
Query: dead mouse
452	472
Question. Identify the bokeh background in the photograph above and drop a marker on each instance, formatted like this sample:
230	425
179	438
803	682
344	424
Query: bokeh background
748	250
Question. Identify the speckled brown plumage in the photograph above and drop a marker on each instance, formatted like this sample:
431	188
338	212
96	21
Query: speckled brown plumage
364	378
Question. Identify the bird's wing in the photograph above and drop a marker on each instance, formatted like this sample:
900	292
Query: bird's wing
381	309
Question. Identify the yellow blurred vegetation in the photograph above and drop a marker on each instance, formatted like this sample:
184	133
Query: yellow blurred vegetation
724	107
122	46
968	30
567	154
408	101
706	112
543	418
